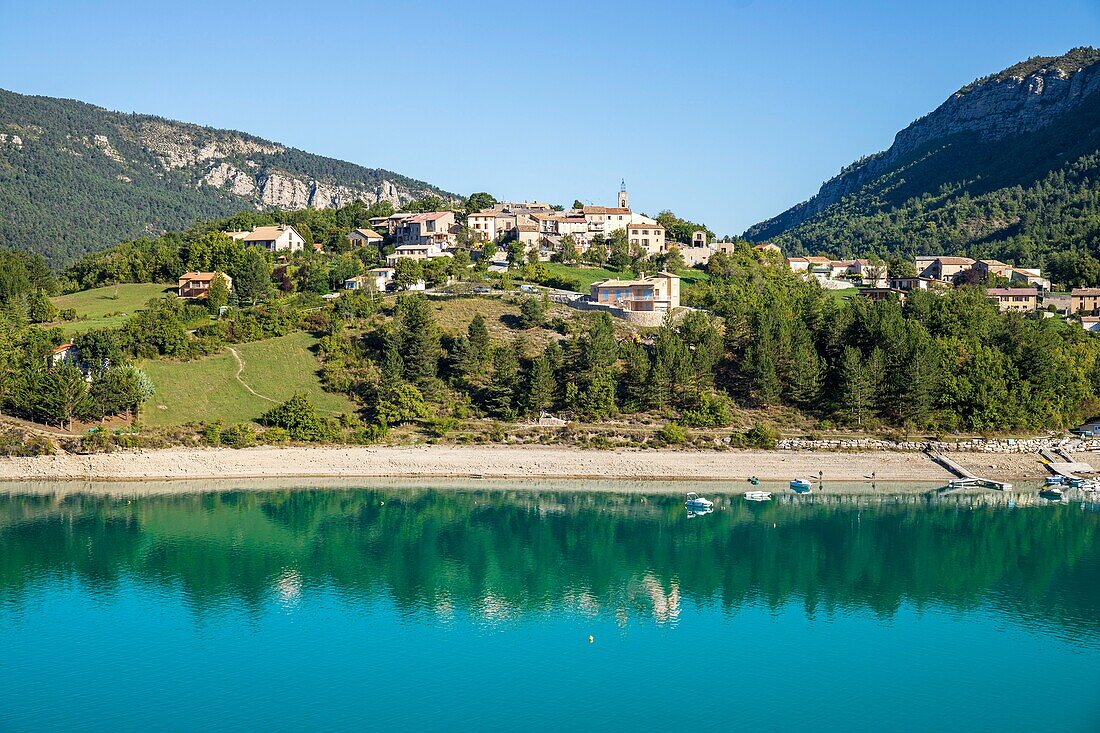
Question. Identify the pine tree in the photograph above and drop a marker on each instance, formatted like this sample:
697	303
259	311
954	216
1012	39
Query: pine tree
671	377
539	386
64	394
419	338
636	387
806	375
859	384
501	393
478	334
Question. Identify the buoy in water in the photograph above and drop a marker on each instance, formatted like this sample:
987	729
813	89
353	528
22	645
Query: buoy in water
591	639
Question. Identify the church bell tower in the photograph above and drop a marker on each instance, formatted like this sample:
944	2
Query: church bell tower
624	197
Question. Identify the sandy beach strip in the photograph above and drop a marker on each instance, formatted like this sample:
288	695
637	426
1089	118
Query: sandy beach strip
504	462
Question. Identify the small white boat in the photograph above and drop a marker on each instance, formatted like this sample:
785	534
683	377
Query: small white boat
758	496
802	486
1054	480
697	503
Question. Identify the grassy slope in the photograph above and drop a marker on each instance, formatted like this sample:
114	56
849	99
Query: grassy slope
107	307
207	390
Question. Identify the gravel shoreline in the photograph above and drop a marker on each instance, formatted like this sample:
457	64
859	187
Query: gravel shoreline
507	462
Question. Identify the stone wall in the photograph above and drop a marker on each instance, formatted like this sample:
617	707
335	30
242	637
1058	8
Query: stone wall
976	445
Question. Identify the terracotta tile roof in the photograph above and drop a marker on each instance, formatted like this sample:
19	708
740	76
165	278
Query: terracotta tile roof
430	216
1005	292
368	233
1085	291
605	210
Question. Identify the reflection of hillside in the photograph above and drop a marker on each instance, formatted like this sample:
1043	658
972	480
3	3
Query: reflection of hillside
500	555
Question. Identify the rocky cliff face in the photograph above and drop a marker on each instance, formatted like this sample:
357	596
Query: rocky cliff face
1019	100
251	169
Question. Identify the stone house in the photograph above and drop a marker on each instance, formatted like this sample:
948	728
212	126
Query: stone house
1085	301
650	237
433	227
946	269
491	225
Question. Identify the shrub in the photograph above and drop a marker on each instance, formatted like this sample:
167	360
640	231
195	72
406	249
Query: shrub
274	436
370	434
240	435
97	442
298	416
712	412
212	434
14	443
672	434
761	436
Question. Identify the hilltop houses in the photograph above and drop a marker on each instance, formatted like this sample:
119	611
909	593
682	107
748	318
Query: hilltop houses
933	272
825	269
281	238
539	224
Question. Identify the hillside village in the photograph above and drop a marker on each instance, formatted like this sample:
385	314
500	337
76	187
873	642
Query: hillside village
533	231
525	232
451	316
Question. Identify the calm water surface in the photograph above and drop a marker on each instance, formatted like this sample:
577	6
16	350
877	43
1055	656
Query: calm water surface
469	610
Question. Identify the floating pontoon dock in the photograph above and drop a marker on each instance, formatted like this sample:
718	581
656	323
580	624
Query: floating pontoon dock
966	479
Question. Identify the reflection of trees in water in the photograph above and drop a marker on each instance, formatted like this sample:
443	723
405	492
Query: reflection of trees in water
501	556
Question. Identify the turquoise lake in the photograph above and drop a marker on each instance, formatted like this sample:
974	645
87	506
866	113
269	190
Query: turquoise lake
421	609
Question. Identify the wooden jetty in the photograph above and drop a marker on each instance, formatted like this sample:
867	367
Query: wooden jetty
966	479
1060	464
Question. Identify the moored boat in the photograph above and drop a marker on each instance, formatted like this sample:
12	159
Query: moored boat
801	486
1054	480
1052	493
697	503
758	495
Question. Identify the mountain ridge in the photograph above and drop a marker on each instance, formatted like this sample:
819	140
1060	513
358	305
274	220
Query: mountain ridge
75	177
962	148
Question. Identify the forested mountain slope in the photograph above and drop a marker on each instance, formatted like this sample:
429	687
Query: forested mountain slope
1007	167
75	177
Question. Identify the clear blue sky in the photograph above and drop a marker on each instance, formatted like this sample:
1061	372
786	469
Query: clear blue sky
726	112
